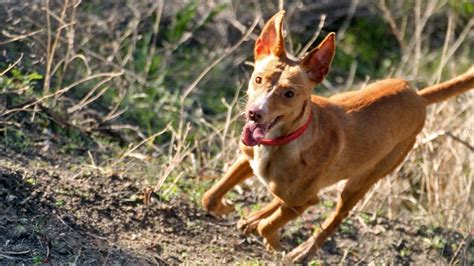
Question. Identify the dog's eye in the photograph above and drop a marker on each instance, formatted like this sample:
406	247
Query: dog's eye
289	94
258	79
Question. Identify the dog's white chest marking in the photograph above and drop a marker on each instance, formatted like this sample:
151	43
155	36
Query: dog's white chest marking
259	163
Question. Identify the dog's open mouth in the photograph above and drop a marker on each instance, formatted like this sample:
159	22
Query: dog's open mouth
253	133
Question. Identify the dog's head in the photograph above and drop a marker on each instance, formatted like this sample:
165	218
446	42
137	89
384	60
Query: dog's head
280	87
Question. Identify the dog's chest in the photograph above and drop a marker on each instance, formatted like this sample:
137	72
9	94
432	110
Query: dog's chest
268	167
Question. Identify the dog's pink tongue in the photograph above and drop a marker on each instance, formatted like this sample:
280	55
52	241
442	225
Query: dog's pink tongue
252	134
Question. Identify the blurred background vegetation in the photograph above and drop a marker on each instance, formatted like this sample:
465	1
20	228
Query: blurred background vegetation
157	87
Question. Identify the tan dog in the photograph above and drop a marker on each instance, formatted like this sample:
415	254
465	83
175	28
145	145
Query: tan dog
297	143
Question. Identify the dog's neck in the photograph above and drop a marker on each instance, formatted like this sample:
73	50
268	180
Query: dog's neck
291	126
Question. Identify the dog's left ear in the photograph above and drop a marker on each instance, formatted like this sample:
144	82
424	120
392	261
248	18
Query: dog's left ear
318	61
271	40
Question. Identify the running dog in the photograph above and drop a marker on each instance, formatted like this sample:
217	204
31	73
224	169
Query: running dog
296	143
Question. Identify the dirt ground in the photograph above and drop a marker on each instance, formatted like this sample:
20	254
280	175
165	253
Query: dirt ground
52	211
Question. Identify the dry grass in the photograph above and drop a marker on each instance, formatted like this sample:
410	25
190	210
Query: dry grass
96	59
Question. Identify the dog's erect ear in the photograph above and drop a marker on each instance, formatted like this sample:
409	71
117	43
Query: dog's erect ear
271	41
318	61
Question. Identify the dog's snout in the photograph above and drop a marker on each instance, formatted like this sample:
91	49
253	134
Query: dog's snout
255	114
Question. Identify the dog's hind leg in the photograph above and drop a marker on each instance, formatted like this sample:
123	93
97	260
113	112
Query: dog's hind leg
354	190
249	224
213	200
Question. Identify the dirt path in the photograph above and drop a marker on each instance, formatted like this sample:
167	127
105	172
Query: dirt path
53	211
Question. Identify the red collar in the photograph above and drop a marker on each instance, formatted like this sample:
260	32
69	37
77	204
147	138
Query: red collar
290	137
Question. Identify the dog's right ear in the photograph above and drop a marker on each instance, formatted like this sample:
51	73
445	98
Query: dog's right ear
271	40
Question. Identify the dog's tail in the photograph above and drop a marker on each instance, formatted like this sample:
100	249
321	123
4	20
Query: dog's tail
443	91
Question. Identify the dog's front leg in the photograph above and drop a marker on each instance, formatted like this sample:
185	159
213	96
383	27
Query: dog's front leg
213	200
249	224
268	227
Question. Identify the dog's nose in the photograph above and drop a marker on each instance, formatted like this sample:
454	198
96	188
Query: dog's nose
255	115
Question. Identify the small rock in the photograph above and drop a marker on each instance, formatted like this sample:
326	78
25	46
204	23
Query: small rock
10	198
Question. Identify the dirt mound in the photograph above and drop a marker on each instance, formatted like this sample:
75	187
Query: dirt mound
57	213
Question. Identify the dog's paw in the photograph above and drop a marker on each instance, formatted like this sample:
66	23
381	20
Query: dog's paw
217	207
273	244
247	226
271	237
302	253
225	207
